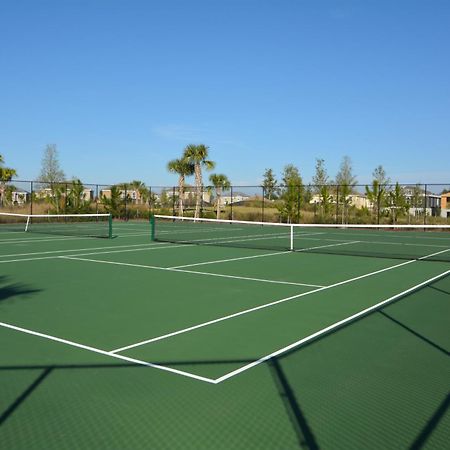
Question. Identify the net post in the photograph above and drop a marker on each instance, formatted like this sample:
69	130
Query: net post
28	222
152	227
110	235
291	246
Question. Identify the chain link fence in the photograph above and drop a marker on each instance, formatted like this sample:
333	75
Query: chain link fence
369	204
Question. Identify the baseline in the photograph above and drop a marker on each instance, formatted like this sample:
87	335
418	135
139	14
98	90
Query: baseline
329	328
105	352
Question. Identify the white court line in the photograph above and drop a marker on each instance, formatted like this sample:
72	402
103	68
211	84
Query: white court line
266	305
261	256
231	259
232	239
378	242
106	353
328	329
81	249
64	238
157	247
195	272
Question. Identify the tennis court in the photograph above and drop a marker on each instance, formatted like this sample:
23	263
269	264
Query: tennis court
205	337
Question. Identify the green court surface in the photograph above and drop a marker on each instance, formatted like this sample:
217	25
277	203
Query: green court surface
129	343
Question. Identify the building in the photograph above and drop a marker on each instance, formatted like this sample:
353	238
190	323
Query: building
421	201
19	197
238	197
445	205
359	201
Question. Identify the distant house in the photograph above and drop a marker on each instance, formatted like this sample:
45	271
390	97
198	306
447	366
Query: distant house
19	197
421	201
87	193
132	195
445	205
359	201
238	197
189	194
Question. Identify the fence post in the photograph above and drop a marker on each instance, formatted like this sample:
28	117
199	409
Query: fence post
425	206
126	202
31	197
201	200
337	204
96	198
173	201
65	200
263	198
231	202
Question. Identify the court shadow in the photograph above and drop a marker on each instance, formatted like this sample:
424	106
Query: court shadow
282	389
426	432
9	290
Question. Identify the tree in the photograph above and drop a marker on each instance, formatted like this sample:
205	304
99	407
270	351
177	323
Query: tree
220	183
113	202
345	182
198	156
291	194
269	184
398	202
75	198
51	171
321	187
142	190
184	168
6	175
377	193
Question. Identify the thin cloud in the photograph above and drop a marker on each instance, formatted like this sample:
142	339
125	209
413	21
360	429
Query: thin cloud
183	133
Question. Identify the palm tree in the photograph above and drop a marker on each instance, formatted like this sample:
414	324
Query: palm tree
142	189
198	156
113	202
6	175
220	182
183	168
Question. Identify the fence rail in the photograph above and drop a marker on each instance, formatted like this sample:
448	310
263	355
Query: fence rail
400	203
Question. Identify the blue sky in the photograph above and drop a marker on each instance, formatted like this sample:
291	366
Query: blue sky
121	87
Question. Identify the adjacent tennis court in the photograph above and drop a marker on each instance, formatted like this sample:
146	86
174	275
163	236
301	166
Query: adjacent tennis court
212	334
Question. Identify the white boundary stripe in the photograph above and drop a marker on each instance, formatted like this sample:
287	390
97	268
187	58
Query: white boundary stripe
403	244
232	239
328	329
157	247
106	353
218	261
260	256
64	238
13	255
169	269
256	308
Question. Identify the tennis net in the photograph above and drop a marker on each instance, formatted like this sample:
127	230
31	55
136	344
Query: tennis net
425	242
89	225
